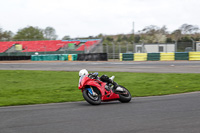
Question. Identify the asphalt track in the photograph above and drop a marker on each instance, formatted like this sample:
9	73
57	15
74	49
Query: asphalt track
160	114
116	66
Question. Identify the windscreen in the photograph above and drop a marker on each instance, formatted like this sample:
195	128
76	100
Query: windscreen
80	79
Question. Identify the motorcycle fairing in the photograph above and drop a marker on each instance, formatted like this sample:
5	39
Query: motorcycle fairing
105	95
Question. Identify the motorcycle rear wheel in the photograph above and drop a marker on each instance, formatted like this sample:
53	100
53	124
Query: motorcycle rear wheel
94	100
126	96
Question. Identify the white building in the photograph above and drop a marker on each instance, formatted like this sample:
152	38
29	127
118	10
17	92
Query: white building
198	46
154	48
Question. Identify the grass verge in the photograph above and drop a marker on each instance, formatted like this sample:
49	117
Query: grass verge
19	87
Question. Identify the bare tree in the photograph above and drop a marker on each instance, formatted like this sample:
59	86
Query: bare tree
154	34
189	29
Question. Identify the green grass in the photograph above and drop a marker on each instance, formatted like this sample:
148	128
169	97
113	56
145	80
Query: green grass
18	87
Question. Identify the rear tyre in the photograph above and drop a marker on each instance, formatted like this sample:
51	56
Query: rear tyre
94	100
126	96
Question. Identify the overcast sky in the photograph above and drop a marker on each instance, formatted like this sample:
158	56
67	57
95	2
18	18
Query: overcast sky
83	18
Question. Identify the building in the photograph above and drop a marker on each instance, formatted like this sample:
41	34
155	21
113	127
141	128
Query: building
154	48
198	46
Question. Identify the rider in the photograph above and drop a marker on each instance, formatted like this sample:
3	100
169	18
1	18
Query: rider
103	78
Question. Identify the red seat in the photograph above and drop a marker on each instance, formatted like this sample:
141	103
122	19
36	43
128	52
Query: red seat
87	45
42	46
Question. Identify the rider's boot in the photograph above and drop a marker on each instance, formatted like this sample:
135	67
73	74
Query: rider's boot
115	85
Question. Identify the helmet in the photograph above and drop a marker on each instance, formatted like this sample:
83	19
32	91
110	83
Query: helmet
83	72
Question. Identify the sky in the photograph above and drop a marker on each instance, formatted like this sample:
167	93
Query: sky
83	18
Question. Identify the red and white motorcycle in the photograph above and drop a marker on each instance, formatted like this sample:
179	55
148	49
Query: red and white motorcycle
95	91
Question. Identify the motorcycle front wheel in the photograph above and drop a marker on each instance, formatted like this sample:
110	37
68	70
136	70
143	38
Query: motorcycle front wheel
125	97
94	100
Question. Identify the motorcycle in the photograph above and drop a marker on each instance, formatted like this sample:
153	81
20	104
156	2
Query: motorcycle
95	91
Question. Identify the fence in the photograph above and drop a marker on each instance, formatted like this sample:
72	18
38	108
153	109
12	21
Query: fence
185	46
115	49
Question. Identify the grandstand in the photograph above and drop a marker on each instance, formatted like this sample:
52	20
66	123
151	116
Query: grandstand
4	46
87	45
48	46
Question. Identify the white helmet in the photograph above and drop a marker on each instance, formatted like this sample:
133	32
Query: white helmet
83	72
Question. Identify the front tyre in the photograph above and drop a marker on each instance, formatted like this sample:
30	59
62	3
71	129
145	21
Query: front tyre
94	100
125	97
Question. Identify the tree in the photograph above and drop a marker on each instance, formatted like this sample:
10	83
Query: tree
100	35
29	33
1	30
124	38
109	38
169	40
50	33
137	38
119	38
5	35
176	35
1	33
153	34
196	36
131	38
189	29
66	37
90	37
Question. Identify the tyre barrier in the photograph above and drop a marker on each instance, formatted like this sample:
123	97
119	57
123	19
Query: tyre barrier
140	56
160	56
72	57
92	57
54	57
167	56
194	56
8	58
127	56
182	56
153	56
